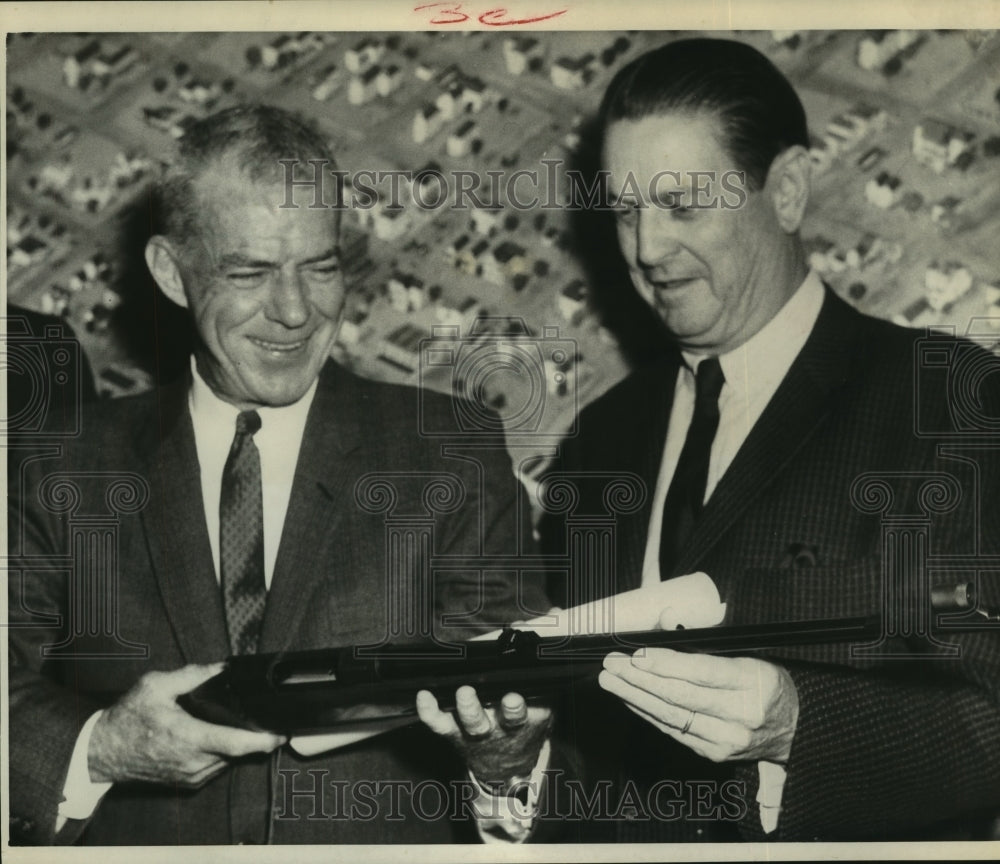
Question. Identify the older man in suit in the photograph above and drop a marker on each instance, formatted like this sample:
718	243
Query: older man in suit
242	509
784	440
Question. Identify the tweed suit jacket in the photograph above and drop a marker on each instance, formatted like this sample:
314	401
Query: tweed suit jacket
799	528
329	587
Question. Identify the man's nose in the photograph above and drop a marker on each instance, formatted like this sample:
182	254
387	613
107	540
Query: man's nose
655	239
289	301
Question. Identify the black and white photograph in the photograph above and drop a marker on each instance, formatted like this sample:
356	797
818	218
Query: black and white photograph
453	431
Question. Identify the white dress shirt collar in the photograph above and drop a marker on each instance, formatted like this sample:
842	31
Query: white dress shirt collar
765	358
207	407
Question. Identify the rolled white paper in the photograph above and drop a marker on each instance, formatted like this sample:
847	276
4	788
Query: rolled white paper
310	745
693	600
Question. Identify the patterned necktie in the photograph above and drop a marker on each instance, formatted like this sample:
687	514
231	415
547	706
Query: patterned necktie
241	538
686	494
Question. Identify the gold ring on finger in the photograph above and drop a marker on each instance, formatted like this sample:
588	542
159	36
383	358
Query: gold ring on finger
687	724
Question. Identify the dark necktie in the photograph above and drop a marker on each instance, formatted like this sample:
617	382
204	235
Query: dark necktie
241	538
686	494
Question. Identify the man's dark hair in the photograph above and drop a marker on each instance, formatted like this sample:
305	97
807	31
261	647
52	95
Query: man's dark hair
256	137
758	109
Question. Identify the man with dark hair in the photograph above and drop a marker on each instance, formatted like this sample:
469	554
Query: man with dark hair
227	514
784	455
758	112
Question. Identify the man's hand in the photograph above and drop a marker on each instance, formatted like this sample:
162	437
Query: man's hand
723	708
497	744
147	736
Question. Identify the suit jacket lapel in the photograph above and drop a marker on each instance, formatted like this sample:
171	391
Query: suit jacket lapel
799	406
321	497
176	534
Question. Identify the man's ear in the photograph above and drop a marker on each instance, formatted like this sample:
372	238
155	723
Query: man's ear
790	179
162	262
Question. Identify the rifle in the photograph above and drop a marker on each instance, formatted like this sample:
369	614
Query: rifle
304	692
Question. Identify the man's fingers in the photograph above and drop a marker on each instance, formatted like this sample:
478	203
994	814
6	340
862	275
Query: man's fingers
210	737
669	619
432	716
701	746
472	717
513	711
724	673
183	680
675	716
721	703
199	778
230	741
659	724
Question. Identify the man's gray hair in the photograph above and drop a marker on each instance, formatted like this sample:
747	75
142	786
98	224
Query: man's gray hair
255	137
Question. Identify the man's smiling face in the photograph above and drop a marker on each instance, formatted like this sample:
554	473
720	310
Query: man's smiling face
264	286
706	271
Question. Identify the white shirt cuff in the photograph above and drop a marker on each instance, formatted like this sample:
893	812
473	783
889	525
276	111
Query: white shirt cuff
509	818
772	784
81	795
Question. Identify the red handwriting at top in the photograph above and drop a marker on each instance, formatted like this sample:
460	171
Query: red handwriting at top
451	13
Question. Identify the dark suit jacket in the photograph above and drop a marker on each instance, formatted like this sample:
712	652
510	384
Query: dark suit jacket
884	747
330	587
